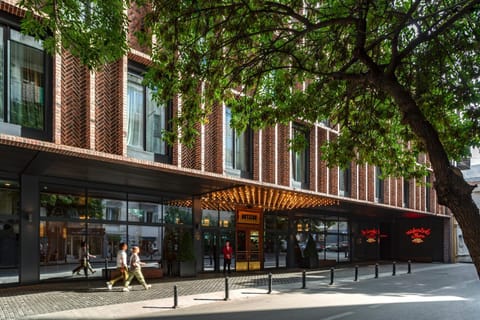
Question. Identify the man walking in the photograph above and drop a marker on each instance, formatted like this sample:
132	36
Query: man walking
122	265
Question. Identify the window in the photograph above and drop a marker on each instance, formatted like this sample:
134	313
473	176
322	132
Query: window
344	184
146	121
237	149
378	185
24	105
300	157
427	193
406	193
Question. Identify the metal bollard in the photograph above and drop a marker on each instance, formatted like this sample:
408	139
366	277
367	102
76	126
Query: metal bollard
356	273
269	283
376	270
332	275
304	279
175	297
394	268
226	289
409	266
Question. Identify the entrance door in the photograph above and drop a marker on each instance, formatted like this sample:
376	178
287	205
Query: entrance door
210	251
249	253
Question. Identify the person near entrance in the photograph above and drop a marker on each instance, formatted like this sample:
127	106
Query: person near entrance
227	256
122	265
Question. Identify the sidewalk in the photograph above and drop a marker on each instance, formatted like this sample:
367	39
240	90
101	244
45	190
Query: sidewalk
92	300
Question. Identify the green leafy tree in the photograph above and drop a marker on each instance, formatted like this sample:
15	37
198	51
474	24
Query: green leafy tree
400	78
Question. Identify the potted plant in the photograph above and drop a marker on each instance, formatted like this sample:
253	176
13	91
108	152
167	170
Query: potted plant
186	255
310	254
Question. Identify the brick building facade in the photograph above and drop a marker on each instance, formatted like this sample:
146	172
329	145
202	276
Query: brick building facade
117	193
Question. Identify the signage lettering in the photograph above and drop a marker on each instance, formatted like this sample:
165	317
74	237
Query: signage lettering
418	234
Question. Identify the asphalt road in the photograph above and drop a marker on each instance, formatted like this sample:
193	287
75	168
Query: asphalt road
451	292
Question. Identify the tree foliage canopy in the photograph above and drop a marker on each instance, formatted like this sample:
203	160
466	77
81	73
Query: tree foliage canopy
277	61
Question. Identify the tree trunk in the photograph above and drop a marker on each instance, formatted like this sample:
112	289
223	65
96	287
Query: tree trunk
452	189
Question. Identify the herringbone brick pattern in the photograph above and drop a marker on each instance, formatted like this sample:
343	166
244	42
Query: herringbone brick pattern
109	109
214	142
74	118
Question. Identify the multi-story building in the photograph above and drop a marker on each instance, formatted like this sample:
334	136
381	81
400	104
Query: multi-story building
82	159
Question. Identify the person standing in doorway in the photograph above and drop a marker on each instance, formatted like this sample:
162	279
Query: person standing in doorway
227	256
122	266
136	270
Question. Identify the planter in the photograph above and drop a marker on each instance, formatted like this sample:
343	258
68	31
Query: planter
188	269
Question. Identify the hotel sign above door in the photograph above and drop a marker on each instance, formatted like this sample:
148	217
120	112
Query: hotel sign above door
248	217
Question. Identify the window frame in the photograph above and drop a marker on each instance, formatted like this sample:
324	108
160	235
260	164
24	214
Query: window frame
234	170
379	186
9	22
139	70
345	176
304	183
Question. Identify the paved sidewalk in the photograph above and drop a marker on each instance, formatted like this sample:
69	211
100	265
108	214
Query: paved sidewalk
92	300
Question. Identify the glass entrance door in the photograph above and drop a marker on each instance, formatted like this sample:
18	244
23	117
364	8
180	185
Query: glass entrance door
210	251
249	250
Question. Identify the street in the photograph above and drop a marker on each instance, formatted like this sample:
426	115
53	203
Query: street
441	291
451	293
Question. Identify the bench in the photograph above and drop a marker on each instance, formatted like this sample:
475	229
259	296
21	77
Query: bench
148	273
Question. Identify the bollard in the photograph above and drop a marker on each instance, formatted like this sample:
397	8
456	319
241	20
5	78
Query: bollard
226	289
409	266
376	270
269	283
332	275
394	268
106	268
175	297
356	273
304	279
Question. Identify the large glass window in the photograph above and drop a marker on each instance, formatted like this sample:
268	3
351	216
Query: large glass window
378	185
406	193
70	217
23	102
237	149
300	157
344	181
146	122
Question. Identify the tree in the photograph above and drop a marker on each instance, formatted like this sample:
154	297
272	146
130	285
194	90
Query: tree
400	78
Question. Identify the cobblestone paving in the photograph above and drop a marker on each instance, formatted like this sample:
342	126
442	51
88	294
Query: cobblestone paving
22	301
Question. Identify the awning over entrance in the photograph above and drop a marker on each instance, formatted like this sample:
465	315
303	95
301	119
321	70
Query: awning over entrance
267	198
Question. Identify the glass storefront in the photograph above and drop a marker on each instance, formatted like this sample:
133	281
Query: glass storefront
331	236
9	230
103	219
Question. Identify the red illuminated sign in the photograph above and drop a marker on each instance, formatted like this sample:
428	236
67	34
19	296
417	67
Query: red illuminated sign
418	234
370	234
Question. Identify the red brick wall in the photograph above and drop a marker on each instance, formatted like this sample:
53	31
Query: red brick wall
268	155
255	156
75	103
283	164
354	184
362	183
136	16
322	174
312	170
214	141
109	109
